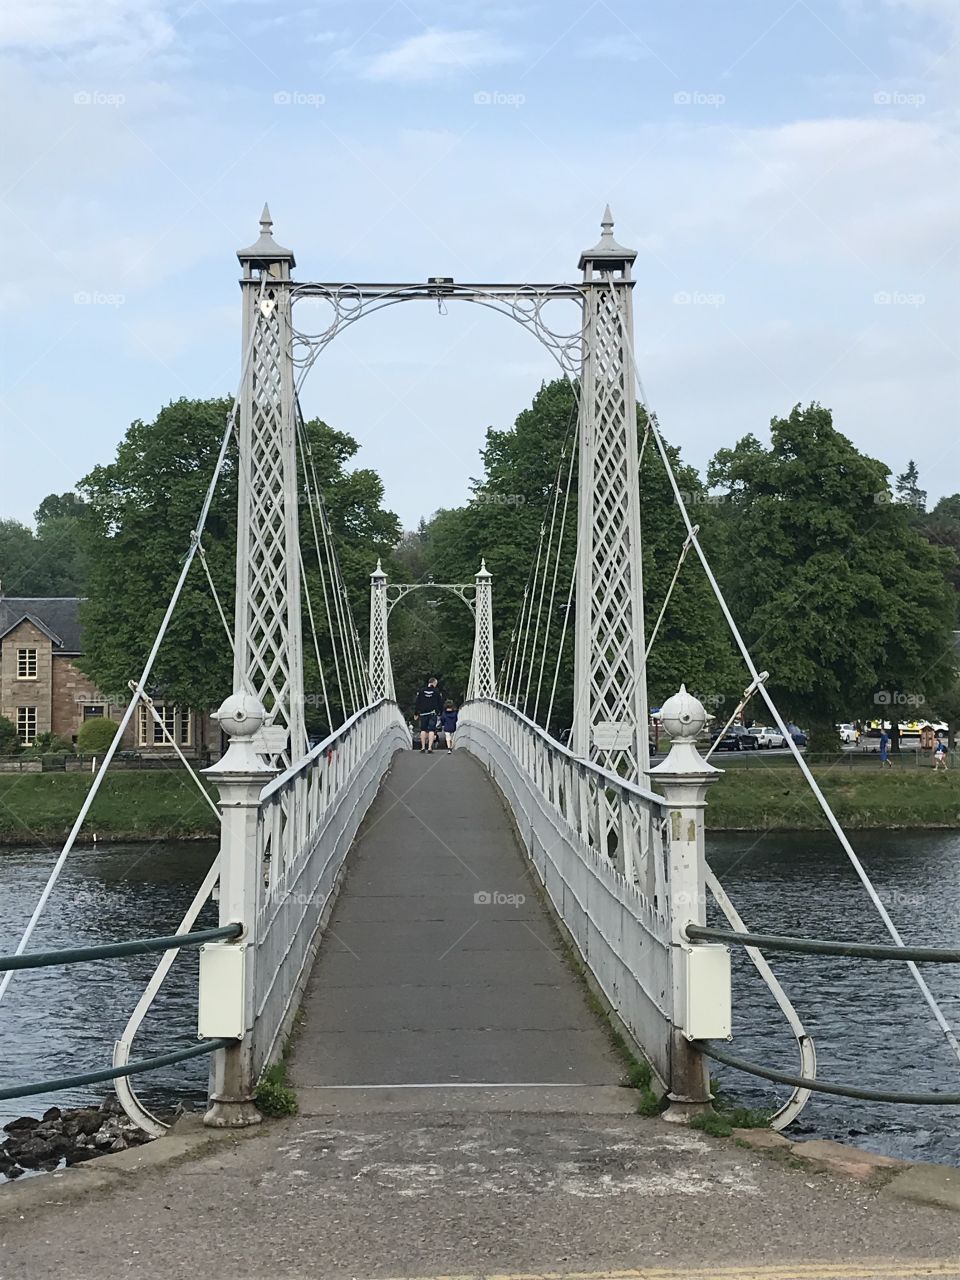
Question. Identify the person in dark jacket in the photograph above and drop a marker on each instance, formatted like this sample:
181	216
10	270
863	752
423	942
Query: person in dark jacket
428	706
448	722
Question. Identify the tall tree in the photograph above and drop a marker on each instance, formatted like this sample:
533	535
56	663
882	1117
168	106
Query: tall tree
49	562
908	491
837	595
140	511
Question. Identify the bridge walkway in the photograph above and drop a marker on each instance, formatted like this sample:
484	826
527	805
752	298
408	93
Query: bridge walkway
440	965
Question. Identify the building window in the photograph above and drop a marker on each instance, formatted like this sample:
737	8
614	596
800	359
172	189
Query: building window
26	664
94	711
176	722
26	724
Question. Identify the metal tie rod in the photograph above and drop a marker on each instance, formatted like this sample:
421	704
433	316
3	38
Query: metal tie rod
135	947
817	947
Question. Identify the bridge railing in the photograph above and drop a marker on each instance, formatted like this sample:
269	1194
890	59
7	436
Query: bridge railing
599	846
307	820
283	847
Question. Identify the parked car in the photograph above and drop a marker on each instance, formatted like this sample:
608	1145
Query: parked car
737	738
848	732
798	735
769	737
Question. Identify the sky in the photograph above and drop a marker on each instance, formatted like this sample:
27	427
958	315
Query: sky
788	172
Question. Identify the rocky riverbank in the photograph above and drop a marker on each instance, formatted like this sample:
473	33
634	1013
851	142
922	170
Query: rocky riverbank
66	1138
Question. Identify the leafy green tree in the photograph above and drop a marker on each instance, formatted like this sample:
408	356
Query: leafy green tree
49	562
141	509
941	526
836	593
502	523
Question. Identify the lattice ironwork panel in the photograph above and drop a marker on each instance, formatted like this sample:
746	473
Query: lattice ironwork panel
269	658
611	710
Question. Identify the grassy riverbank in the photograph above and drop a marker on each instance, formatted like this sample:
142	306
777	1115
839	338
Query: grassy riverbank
778	798
39	808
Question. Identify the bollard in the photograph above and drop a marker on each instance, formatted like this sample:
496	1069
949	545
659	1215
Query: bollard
240	777
684	777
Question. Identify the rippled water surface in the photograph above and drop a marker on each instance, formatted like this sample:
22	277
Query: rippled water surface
868	1019
869	1022
60	1021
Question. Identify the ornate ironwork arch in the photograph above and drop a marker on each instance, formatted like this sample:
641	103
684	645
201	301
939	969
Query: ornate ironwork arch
523	303
467	592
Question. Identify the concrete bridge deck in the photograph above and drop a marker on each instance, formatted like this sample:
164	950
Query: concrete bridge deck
440	966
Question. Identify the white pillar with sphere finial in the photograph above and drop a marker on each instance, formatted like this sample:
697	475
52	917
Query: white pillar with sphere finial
240	775
684	777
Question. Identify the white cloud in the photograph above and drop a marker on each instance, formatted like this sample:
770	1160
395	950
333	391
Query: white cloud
436	54
618	48
108	27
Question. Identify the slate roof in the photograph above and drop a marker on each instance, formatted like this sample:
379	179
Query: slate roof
58	616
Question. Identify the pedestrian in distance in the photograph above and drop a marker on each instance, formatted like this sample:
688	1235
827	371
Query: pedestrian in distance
428	706
940	756
448	722
885	749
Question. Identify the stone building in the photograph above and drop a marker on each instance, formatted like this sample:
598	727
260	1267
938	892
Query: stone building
43	691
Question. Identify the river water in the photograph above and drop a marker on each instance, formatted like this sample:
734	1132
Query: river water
867	1018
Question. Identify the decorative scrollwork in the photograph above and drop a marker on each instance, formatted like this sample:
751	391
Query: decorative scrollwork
346	303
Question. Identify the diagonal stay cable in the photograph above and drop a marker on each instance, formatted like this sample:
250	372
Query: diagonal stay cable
755	675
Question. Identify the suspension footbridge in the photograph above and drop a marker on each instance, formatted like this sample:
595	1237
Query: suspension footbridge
426	915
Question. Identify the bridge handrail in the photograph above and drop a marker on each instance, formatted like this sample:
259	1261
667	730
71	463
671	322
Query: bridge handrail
584	766
307	761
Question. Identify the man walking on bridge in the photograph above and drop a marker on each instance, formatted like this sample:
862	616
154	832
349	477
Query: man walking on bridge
428	706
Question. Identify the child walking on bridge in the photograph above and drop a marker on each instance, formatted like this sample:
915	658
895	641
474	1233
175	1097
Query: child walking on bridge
448	722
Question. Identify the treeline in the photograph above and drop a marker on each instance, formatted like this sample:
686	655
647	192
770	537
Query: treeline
844	585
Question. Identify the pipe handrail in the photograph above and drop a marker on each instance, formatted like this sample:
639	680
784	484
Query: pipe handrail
108	950
819	947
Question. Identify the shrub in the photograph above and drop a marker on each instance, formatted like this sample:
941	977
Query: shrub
95	735
52	744
9	742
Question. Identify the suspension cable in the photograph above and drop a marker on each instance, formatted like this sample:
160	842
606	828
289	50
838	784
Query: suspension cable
573	445
168	736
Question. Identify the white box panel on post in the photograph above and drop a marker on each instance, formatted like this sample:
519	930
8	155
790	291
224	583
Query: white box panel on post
708	1012
222	967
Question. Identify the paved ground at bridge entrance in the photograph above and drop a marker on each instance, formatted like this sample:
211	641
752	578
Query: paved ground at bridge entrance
521	1158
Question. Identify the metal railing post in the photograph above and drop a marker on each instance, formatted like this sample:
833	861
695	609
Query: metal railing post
684	776
240	777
